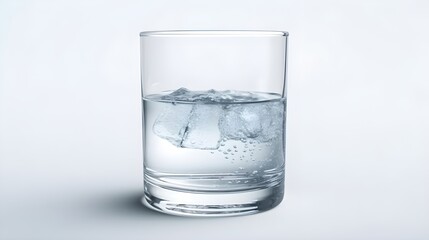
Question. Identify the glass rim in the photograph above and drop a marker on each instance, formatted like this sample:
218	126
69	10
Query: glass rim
210	33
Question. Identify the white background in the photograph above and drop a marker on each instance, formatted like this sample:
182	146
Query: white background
357	131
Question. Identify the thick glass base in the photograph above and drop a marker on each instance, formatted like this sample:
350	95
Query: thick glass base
212	204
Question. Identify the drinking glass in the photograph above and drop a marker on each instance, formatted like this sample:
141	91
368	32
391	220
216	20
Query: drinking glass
214	113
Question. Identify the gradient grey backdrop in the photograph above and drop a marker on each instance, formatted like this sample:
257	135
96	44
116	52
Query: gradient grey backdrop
357	130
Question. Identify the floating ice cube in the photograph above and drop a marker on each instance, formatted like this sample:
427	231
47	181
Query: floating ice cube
259	121
171	124
202	131
273	122
190	126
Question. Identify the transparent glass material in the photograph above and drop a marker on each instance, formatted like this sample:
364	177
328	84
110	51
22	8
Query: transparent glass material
214	113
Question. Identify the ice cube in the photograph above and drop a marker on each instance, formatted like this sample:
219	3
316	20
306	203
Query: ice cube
190	126
202	131
273	122
171	124
258	121
178	95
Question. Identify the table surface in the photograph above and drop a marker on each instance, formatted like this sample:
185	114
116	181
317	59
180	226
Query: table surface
357	129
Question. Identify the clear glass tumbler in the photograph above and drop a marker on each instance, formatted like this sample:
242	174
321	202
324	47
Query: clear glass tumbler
214	112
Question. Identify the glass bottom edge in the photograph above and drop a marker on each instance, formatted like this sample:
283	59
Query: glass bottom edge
212	204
